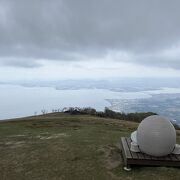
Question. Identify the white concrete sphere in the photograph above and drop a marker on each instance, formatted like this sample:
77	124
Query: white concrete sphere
156	136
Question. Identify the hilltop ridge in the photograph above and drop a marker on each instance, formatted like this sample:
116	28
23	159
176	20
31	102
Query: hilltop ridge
65	146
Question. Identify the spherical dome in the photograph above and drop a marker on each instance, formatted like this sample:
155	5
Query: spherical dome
156	136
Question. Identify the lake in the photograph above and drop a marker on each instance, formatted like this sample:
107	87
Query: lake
19	101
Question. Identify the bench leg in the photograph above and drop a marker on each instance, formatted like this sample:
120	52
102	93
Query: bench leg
127	168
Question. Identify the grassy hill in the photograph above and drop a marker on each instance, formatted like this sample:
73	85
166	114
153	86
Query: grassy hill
61	146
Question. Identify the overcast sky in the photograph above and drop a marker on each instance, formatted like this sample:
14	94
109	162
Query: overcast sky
66	39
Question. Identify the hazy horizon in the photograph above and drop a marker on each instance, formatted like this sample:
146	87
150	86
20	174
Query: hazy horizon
160	95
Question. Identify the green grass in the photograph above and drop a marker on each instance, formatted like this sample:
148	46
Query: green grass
62	146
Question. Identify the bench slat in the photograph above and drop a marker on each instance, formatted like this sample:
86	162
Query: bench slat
133	158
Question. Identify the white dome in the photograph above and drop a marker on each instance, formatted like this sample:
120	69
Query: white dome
156	136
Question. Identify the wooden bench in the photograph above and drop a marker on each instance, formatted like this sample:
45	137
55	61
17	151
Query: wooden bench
133	158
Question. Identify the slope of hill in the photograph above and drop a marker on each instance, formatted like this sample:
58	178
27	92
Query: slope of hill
62	146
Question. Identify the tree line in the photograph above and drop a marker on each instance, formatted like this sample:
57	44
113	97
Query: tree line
108	113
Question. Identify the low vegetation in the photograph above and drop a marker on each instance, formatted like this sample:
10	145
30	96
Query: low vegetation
135	117
62	146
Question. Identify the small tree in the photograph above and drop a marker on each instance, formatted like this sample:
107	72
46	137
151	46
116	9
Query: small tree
43	111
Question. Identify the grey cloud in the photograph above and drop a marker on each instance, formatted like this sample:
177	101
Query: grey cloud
24	63
67	29
159	61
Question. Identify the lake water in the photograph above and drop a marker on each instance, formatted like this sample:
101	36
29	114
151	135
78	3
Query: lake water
19	101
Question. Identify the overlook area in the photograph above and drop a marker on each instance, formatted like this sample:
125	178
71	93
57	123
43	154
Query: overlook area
65	146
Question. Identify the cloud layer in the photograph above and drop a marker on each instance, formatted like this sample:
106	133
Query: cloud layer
147	32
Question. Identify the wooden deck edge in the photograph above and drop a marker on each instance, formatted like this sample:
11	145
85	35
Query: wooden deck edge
123	153
129	160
